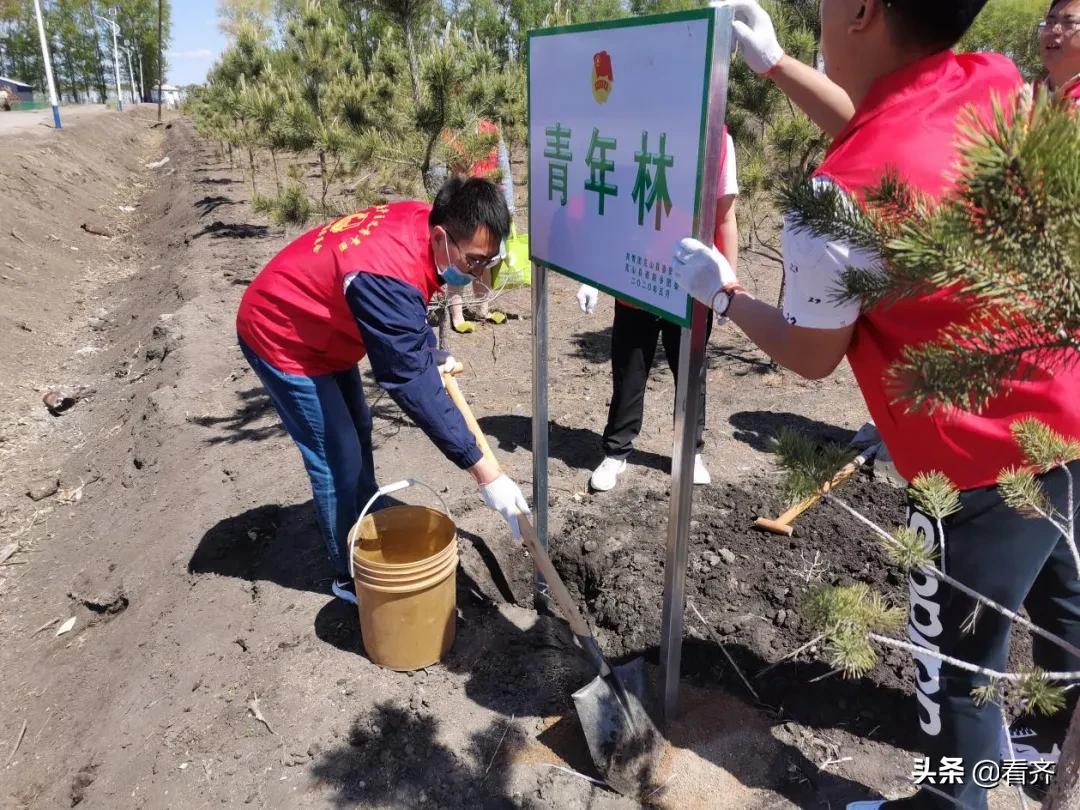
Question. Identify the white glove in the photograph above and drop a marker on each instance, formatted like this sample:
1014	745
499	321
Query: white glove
444	360
755	33
587	297
504	496
702	270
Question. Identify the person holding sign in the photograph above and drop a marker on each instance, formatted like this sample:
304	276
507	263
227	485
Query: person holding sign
889	69
359	286
634	334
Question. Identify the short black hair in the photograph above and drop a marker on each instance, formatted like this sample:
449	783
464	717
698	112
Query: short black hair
932	24
1055	3
463	204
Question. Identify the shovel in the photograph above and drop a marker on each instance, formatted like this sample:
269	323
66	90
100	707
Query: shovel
624	742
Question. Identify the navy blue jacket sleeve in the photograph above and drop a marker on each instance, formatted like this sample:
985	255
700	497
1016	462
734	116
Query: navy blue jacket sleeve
393	323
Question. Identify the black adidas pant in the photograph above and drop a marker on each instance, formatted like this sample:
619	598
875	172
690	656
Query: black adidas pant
633	348
1015	561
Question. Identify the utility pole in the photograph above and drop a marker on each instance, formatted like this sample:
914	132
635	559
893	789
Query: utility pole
48	65
142	84
100	62
116	59
160	60
131	74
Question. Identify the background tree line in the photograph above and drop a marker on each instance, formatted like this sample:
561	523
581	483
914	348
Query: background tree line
384	91
81	46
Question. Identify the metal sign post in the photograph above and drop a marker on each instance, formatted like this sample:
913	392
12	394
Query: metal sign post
691	378
540	418
626	129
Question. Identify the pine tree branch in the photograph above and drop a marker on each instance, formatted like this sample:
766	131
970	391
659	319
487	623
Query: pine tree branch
1012	677
1071	515
815	640
940	526
960	586
1061	530
957	371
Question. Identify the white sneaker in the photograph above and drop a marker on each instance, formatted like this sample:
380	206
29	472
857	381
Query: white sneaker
606	476
701	474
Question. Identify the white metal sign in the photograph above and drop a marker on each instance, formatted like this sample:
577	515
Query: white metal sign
617	128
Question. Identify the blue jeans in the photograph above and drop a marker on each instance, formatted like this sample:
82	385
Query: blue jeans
328	418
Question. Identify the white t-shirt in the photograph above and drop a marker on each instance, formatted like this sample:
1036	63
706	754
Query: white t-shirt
812	269
729	183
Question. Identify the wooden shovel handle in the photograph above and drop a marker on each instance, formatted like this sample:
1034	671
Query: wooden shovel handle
554	582
463	406
543	562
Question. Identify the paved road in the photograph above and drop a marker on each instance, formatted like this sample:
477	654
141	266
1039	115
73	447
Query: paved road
41	120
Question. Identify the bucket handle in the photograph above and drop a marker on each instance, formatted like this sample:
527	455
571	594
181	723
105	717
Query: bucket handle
389	489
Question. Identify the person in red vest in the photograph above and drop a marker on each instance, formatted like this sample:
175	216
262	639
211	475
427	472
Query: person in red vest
489	168
359	287
889	68
1059	45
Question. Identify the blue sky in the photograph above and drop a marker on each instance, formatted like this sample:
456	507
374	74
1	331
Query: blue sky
196	41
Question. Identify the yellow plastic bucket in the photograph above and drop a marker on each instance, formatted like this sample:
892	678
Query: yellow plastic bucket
404	563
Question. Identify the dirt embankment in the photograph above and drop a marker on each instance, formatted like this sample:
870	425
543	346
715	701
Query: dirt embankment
174	526
91	294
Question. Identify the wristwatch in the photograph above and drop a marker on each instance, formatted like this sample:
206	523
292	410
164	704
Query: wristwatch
722	299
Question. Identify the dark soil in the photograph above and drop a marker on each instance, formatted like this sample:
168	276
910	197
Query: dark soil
748	586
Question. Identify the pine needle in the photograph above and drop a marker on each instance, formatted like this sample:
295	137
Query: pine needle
1021	490
1043	447
935	495
908	549
807	465
498	747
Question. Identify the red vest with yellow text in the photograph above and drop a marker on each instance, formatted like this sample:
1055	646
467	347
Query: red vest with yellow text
294	314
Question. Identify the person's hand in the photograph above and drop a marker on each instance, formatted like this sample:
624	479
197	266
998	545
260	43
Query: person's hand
755	33
444	360
504	496
587	297
702	270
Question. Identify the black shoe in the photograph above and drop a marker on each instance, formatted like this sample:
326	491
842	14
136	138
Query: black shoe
1034	739
345	589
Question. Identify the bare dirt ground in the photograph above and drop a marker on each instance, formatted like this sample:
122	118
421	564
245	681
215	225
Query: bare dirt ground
14	120
171	519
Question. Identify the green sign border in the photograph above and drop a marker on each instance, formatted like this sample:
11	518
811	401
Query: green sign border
707	14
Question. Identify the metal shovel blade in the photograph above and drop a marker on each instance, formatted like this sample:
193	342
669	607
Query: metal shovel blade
624	742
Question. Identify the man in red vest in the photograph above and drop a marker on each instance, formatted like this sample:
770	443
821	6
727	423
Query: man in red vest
892	98
359	286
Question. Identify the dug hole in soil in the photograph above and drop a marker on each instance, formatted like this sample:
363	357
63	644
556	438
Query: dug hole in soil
169	523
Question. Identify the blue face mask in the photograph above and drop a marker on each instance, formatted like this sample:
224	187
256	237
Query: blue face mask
453	275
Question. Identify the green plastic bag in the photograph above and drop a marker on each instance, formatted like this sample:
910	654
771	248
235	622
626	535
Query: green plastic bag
516	271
